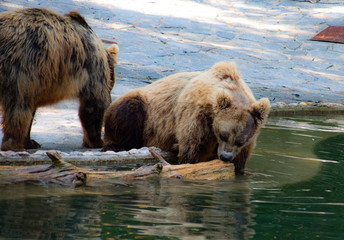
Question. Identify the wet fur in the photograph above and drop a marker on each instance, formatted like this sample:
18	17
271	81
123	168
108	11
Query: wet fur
46	58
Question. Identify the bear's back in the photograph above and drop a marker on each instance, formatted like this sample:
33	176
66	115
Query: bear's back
48	53
223	77
162	97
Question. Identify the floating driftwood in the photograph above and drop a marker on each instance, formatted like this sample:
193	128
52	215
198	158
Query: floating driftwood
64	173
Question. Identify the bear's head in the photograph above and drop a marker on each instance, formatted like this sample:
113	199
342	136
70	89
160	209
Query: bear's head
236	127
112	53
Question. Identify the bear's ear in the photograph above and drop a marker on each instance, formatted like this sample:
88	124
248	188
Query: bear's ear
223	101
226	70
261	110
113	51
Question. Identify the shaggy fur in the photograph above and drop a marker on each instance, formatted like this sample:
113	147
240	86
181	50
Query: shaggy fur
46	58
199	116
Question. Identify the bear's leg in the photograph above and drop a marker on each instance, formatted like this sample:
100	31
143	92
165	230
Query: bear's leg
16	127
196	140
30	143
191	152
186	155
124	124
91	113
240	160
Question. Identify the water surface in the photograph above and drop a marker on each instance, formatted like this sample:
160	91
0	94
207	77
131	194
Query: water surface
293	189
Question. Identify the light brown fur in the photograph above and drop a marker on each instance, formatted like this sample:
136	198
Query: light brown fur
200	116
46	58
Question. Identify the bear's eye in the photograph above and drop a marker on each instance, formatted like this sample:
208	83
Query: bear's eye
224	136
239	142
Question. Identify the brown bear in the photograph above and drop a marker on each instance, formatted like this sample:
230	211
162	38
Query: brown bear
45	58
199	116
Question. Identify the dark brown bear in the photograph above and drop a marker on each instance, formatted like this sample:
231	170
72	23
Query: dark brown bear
46	58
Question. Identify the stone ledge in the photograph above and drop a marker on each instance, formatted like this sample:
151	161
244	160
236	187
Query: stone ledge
303	108
92	158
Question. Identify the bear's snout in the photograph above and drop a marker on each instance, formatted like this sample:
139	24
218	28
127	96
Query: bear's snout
226	156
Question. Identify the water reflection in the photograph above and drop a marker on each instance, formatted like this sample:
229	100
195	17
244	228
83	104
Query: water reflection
166	209
285	149
210	210
293	190
310	201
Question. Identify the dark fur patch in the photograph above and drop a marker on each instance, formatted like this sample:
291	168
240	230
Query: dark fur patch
247	132
257	116
223	102
127	123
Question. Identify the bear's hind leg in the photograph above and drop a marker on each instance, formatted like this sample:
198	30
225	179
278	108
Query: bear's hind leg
16	128
30	143
124	124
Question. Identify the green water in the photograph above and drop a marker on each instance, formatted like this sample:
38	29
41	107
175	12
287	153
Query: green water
293	189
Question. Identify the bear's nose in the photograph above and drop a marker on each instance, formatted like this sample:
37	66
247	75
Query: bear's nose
226	156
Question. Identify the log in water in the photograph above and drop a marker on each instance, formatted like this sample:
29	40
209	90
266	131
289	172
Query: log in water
64	173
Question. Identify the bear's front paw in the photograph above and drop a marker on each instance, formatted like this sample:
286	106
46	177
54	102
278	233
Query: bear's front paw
112	148
95	144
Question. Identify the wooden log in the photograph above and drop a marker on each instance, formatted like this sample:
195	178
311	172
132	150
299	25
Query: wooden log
212	170
64	173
